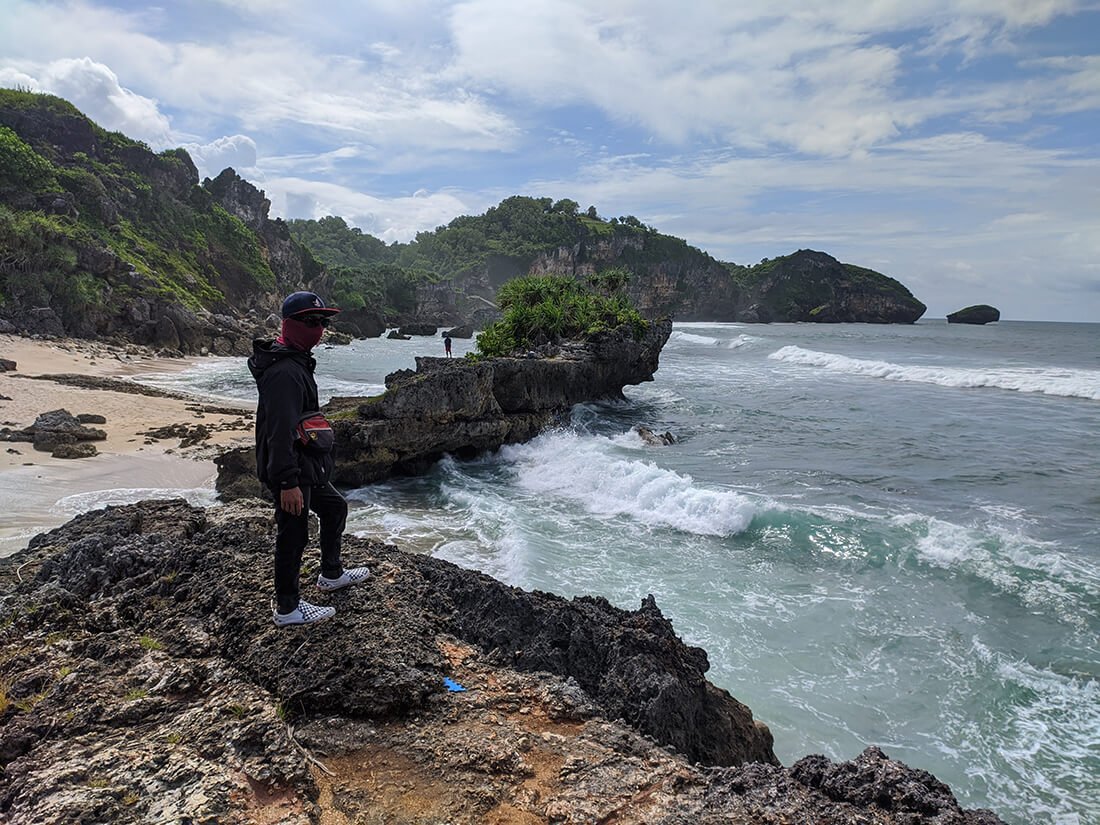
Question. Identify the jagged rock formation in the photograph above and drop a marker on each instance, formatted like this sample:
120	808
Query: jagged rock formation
145	682
452	405
359	323
977	314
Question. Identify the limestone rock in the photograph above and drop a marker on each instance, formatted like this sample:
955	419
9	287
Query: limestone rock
451	405
146	683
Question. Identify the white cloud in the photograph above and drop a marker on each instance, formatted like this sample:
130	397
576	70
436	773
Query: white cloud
94	89
391	219
236	151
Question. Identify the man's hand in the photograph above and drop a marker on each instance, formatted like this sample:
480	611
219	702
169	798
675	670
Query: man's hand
291	500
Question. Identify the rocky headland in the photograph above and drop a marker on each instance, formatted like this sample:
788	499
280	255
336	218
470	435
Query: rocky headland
464	407
144	682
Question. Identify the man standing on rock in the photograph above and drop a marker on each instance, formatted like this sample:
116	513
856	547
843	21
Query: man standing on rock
294	458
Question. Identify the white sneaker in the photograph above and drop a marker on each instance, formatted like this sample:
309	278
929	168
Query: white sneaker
304	613
357	575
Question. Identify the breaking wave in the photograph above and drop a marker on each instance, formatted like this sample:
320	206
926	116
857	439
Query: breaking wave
1069	383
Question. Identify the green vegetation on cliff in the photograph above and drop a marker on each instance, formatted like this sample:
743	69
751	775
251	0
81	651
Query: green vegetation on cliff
90	219
548	309
488	249
360	266
108	237
478	254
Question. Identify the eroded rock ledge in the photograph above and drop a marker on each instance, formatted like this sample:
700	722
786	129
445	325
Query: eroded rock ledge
145	682
452	405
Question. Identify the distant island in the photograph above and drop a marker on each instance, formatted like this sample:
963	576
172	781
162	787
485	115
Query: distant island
977	314
102	238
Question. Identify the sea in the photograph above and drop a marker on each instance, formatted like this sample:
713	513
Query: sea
882	535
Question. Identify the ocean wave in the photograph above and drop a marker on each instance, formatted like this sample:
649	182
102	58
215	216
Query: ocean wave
587	471
690	338
1035	572
329	388
1049	720
1069	383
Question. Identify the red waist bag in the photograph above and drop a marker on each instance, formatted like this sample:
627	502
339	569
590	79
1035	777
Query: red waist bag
315	432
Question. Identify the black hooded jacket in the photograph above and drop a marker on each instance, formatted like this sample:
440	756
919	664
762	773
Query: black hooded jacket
284	377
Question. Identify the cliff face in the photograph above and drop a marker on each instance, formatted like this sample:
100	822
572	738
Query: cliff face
102	238
144	682
813	286
670	278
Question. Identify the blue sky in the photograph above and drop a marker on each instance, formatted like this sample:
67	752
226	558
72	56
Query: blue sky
952	144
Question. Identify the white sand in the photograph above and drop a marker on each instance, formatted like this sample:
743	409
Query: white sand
38	492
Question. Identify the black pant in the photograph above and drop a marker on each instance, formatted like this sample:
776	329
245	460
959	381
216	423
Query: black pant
293	533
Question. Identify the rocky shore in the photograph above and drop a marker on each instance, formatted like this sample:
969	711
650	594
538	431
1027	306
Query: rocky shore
141	679
144	682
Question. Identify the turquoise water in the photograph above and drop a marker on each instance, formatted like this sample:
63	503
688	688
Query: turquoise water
880	534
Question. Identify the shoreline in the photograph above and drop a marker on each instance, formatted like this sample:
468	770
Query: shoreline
37	490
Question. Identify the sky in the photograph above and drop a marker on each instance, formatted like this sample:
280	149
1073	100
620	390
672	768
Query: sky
951	144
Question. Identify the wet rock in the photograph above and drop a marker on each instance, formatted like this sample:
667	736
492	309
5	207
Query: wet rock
418	329
395	335
463	331
91	418
59	427
655	439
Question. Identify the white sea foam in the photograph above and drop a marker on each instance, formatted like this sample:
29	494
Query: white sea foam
1036	572
1052	718
690	338
1070	383
587	471
741	341
97	499
330	388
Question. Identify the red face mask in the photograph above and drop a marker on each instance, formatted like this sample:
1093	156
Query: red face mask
301	336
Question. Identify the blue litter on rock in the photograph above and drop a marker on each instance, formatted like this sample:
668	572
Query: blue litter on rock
452	685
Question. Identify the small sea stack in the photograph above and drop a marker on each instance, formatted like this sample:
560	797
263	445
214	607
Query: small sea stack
977	314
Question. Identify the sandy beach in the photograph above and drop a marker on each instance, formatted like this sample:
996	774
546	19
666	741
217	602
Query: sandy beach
39	492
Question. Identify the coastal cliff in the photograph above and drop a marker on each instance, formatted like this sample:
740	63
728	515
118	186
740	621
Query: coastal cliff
102	238
143	681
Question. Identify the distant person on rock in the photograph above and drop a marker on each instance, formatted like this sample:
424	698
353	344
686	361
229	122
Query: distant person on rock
447	346
294	458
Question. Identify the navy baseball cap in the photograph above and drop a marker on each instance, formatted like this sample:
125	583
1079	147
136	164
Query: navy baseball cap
300	302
